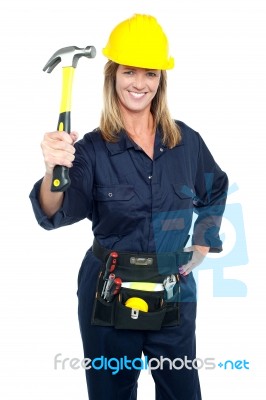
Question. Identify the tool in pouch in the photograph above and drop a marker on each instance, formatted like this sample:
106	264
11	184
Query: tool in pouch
112	284
169	284
126	308
69	56
111	288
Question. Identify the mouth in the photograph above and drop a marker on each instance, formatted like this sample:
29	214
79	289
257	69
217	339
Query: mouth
137	95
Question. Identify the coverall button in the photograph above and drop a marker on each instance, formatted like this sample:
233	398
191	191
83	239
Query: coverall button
161	149
110	194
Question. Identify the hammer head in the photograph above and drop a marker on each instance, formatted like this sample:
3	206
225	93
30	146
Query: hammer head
69	57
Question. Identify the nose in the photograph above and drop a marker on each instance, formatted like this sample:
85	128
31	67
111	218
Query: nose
139	81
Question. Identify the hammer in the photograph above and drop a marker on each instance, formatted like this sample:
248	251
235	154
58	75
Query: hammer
69	56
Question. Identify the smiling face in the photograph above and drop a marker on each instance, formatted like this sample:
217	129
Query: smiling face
136	87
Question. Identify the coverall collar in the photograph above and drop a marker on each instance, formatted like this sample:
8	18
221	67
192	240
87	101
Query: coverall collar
124	143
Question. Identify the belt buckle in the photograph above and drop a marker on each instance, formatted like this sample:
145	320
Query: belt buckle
141	261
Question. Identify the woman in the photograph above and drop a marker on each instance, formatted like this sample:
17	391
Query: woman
138	178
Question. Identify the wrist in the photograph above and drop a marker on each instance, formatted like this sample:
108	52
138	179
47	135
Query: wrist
204	250
48	173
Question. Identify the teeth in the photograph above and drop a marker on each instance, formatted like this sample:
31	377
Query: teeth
137	95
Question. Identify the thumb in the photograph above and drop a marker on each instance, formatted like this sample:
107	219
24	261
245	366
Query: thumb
74	136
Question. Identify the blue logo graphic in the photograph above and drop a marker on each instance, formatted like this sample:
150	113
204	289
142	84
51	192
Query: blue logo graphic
170	232
233	255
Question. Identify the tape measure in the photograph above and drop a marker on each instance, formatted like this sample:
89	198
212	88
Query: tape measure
137	303
147	286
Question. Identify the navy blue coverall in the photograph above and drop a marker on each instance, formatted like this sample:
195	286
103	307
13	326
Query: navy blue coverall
142	205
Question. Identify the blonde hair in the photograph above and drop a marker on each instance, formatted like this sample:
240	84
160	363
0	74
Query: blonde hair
111	121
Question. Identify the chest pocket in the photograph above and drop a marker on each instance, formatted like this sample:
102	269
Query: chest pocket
183	195
114	209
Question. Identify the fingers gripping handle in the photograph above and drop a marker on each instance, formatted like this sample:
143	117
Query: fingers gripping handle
61	180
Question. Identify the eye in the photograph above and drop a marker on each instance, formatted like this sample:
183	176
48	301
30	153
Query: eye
128	72
151	74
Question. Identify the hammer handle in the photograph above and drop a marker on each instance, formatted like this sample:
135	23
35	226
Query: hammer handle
61	180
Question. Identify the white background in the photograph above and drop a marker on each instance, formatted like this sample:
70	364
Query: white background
218	88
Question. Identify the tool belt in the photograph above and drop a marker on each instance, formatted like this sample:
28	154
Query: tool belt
163	306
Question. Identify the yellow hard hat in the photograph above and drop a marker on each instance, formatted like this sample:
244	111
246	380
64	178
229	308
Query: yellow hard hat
137	303
139	42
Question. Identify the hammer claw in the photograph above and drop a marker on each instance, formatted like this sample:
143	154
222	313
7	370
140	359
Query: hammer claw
69	57
51	64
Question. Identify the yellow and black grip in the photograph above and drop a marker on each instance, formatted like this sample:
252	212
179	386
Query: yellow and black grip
61	180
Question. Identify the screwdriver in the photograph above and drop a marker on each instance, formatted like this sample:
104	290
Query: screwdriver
110	264
113	289
108	285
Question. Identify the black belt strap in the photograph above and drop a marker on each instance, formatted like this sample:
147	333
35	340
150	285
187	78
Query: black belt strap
159	260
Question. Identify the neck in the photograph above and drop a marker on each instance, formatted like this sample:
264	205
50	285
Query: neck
139	124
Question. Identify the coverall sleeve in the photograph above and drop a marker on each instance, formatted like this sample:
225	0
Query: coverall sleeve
211	185
77	203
